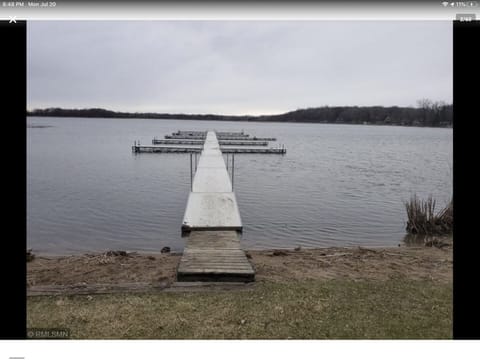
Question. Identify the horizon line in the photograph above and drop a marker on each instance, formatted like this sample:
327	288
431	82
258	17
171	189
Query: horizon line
224	114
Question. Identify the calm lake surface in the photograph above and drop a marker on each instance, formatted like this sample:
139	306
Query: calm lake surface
338	185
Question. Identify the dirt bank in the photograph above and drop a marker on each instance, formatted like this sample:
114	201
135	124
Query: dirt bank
417	263
333	293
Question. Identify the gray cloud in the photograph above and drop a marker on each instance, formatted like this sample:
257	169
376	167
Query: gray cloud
236	67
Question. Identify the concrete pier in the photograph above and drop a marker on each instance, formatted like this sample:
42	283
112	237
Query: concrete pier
211	204
212	221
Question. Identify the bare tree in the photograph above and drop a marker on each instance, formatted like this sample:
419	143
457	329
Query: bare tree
425	105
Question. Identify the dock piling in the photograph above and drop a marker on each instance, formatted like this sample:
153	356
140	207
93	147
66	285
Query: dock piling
191	173
233	168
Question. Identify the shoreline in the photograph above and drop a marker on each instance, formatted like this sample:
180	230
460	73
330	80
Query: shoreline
418	243
327	293
248	121
147	272
180	252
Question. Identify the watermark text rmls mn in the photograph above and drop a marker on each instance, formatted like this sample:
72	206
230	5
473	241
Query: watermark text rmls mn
48	333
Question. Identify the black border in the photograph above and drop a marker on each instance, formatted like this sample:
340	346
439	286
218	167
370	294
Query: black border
466	306
14	101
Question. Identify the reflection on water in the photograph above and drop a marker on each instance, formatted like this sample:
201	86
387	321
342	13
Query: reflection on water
338	185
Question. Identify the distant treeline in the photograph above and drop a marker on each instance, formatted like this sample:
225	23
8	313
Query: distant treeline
428	113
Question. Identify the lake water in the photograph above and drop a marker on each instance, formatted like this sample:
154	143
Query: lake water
338	185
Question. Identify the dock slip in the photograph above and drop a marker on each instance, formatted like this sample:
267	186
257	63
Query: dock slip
204	133
223	137
212	221
137	148
198	148
156	141
193	142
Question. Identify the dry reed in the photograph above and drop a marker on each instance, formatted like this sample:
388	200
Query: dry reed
422	218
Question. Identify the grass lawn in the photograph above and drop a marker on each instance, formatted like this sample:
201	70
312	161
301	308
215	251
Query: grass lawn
397	308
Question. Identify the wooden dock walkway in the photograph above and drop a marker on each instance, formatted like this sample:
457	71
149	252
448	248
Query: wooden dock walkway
214	256
212	221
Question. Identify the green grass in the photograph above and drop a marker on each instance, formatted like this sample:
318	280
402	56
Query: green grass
335	309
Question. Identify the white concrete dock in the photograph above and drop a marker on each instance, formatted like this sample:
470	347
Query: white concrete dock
212	211
212	221
211	204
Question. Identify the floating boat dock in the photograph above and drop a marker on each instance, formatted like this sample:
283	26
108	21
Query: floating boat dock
156	141
190	133
193	142
213	222
204	133
224	137
198	148
166	149
191	137
245	150
200	142
246	138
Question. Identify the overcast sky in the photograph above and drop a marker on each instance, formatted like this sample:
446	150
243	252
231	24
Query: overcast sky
236	67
